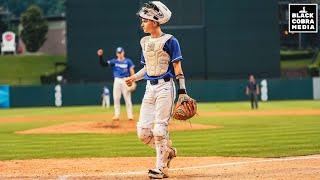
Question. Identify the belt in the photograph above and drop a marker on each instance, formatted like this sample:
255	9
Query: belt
156	81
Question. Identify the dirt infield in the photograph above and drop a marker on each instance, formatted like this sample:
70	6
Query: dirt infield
304	167
98	123
107	116
31	118
107	128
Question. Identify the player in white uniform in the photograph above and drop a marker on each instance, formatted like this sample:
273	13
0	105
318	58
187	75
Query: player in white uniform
161	57
122	68
105	97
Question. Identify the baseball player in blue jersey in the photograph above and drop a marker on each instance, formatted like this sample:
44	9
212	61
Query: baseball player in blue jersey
161	57
122	68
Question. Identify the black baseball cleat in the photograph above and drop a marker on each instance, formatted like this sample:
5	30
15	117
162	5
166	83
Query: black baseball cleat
157	174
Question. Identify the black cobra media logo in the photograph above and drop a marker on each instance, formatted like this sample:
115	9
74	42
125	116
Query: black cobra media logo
303	18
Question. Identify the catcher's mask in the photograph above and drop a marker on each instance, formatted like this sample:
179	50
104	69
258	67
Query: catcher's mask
155	11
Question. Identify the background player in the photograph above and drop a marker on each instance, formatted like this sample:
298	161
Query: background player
122	67
162	62
253	90
105	97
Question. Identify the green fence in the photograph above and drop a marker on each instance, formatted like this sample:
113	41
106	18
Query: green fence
219	39
202	90
25	96
290	89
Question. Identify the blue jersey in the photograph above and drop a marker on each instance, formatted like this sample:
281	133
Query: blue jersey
172	47
121	68
106	91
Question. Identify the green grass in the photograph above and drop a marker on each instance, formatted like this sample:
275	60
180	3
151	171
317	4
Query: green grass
27	69
296	64
294	52
274	105
316	63
250	136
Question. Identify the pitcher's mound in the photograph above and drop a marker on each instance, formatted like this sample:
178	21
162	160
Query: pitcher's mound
120	127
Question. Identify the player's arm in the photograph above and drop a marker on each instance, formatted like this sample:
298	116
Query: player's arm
176	59
131	68
247	90
131	71
140	74
179	77
189	106
101	60
136	77
258	90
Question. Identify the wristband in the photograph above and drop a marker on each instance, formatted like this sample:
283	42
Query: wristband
181	81
182	91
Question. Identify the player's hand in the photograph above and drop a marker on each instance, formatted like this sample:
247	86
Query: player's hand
183	99
130	80
100	52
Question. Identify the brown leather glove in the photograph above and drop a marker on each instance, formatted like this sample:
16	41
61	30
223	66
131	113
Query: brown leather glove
185	108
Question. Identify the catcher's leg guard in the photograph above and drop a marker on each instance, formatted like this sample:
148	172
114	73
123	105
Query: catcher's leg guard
163	111
146	118
146	136
162	142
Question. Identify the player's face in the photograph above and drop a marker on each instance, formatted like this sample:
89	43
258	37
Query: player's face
251	78
120	55
148	26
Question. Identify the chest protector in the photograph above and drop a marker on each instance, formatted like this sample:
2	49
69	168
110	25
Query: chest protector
156	59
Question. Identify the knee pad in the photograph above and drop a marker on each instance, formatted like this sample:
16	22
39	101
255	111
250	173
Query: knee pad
145	135
160	131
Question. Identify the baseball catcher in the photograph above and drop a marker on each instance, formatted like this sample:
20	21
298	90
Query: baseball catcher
161	58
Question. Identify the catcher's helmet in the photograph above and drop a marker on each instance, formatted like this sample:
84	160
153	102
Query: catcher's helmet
155	11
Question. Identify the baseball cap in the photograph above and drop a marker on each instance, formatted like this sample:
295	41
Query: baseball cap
119	49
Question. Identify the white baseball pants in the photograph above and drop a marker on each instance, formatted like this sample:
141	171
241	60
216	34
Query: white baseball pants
120	88
106	101
155	114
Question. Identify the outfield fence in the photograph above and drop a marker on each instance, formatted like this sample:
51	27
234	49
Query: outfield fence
202	90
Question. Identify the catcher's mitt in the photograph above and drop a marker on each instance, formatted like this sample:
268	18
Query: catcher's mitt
185	108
